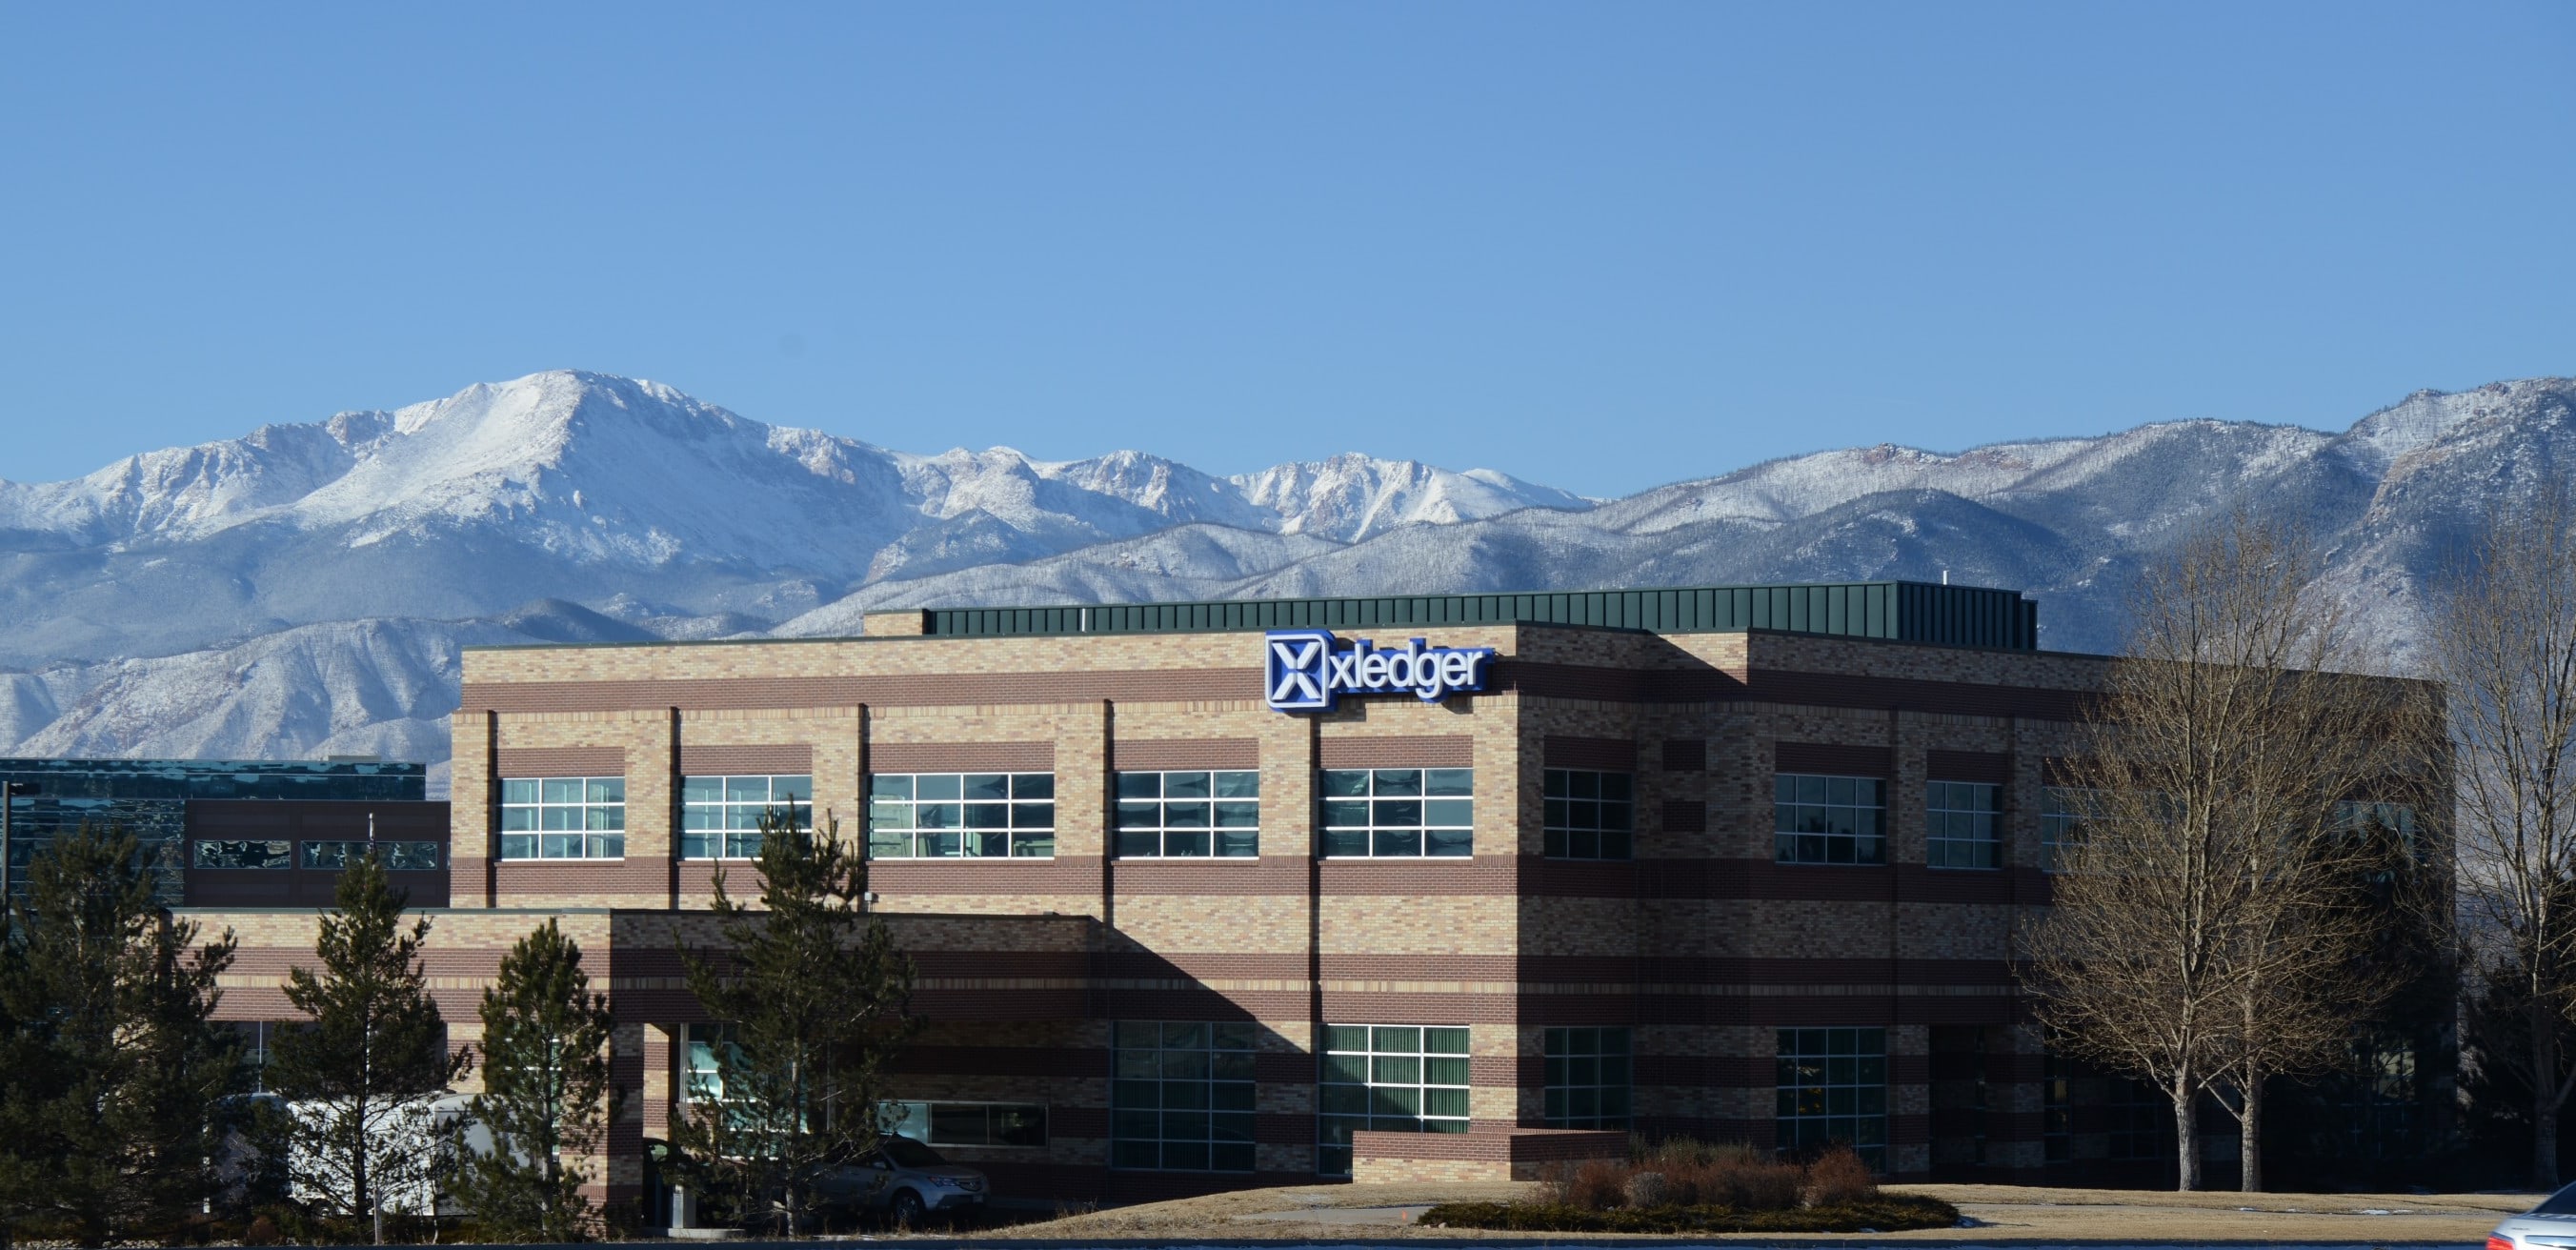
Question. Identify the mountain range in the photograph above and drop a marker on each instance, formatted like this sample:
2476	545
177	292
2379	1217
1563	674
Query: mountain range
305	589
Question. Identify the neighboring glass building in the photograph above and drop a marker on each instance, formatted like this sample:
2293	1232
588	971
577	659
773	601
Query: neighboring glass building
149	798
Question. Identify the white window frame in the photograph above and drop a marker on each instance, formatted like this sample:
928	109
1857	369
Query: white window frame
598	829
733	838
1033	840
1445	820
1380	1067
1149	812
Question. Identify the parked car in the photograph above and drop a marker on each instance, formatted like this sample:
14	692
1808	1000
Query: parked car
2551	1224
907	1180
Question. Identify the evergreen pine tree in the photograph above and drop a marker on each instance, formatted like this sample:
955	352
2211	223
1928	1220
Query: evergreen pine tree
114	1063
357	1078
546	1093
812	999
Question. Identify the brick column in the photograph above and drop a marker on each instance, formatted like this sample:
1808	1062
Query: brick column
470	808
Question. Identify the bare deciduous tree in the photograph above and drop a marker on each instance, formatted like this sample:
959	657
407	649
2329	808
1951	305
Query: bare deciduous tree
2203	935
2504	648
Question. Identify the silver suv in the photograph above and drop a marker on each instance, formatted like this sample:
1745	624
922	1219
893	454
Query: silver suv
2551	1224
907	1180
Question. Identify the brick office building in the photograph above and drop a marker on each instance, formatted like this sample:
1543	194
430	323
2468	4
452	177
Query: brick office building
1740	863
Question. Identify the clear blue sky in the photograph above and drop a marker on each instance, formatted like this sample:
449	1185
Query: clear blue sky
1600	246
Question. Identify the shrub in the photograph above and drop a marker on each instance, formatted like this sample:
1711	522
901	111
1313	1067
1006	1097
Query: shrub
1838	1178
1598	1186
1647	1189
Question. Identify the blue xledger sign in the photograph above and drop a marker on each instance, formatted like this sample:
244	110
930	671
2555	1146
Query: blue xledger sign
1306	670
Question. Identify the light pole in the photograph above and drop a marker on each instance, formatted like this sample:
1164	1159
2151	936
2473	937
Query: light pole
9	793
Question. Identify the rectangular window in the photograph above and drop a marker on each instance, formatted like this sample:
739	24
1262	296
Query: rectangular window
720	816
1830	820
2140	1117
1398	1078
1396	812
703	1080
563	818
1962	824
1181	1097
1191	815
399	856
2056	1110
1587	1078
2062	814
965	1123
1833	1088
1588	814
961	815
254	853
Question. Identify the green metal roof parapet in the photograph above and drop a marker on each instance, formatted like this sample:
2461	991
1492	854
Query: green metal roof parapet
1968	616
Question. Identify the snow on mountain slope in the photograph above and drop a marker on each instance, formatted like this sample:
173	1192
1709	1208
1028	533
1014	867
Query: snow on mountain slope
304	589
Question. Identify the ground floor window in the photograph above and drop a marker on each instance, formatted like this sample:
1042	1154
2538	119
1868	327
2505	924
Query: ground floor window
966	1123
1392	1078
1181	1097
1833	1088
397	856
2140	1119
1587	1078
2056	1110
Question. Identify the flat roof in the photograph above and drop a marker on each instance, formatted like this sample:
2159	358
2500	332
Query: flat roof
1973	616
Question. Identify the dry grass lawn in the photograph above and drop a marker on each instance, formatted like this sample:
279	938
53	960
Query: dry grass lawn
2004	1214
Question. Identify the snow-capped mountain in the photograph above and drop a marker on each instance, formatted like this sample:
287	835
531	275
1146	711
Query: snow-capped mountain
305	588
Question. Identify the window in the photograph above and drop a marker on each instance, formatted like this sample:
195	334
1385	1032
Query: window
2062	814
720	816
1587	1078
2140	1117
399	856
965	1123
1587	814
1398	811
1189	814
254	853
1962	824
1400	1078
1181	1100
563	818
704	1076
953	815
1833	1088
2056	1111
1830	820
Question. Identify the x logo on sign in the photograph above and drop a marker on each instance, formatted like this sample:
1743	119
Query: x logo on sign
1298	665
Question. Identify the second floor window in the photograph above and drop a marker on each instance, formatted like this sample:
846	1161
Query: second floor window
1588	814
720	816
1830	820
961	815
1962	824
2063	811
563	818
1189	815
1398	812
